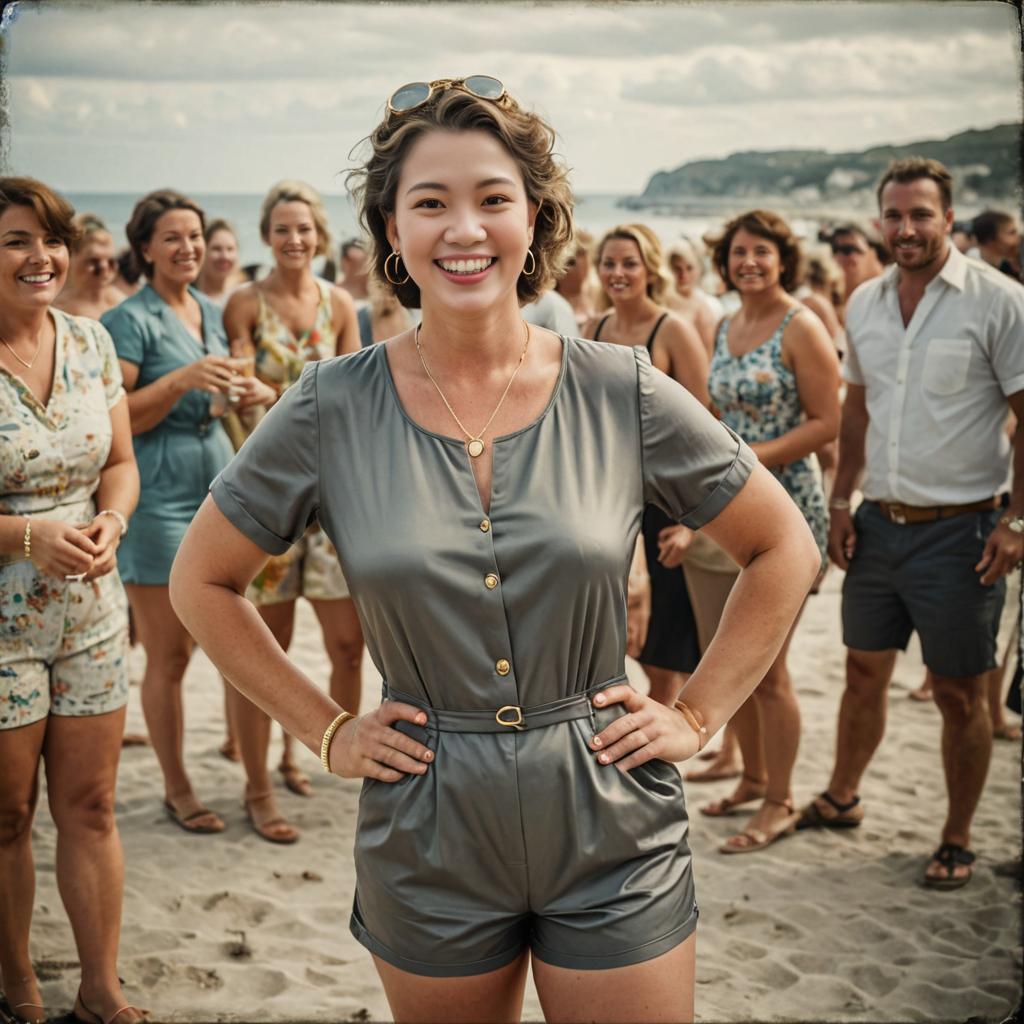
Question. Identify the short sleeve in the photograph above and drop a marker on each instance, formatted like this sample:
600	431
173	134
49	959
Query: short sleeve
693	465
127	333
110	372
1003	337
270	489
851	369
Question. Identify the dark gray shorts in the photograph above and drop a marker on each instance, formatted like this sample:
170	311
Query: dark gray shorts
517	841
921	577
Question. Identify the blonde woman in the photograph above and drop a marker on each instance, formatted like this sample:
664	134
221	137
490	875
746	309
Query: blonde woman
686	265
285	321
90	289
630	269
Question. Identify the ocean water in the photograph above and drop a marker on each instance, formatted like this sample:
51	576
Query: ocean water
594	212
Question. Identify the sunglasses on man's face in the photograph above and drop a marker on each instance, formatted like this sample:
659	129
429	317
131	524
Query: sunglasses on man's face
847	250
415	94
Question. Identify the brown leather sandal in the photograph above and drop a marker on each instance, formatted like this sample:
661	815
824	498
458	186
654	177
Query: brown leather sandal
751	839
276	830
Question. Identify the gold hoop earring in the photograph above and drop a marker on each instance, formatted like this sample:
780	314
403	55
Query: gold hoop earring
397	257
533	264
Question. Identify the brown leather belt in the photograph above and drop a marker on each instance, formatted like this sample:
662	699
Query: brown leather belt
906	515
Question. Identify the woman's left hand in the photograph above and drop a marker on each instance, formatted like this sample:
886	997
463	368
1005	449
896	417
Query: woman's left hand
647	730
251	392
105	533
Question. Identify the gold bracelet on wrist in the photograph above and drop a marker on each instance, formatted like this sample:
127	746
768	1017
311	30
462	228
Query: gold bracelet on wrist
839	503
325	745
695	720
26	540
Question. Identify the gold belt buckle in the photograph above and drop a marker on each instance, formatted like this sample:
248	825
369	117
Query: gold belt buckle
516	723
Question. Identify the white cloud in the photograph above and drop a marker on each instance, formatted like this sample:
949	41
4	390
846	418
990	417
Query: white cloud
229	96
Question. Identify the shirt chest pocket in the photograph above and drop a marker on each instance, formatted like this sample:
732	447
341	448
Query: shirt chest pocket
946	363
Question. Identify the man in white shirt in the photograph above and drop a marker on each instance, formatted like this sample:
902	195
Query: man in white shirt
936	353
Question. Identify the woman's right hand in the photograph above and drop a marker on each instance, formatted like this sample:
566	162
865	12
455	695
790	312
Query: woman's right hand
210	374
60	549
369	747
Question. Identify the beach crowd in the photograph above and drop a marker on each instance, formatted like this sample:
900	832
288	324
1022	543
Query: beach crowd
875	371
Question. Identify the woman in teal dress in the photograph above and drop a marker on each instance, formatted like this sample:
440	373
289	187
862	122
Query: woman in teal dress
180	380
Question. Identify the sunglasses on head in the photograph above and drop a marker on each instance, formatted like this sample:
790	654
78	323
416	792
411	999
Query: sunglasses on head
848	250
414	94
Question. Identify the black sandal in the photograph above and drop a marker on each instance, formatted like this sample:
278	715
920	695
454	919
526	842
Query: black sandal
811	816
9	1016
950	856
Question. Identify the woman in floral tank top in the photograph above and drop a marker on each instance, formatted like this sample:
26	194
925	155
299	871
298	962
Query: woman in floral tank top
287	320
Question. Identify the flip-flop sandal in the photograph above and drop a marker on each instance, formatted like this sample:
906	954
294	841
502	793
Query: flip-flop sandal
183	822
950	856
845	816
751	839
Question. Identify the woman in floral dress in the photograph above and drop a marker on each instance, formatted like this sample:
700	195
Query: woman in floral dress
287	320
68	485
775	381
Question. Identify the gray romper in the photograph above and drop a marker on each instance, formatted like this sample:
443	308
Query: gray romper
502	626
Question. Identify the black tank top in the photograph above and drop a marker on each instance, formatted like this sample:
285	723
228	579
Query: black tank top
650	340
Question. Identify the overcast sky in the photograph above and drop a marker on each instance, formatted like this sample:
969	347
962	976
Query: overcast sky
232	96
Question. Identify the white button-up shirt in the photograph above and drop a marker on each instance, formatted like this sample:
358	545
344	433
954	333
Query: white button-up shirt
936	389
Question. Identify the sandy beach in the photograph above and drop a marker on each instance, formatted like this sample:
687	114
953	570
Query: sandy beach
821	927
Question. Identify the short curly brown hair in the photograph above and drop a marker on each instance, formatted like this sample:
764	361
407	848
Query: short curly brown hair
55	213
148	210
530	142
765	224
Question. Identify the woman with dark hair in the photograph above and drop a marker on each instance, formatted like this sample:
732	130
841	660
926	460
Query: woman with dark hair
90	289
519	794
775	381
174	358
630	269
68	485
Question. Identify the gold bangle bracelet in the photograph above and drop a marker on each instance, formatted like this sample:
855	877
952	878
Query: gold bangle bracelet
26	540
325	745
695	720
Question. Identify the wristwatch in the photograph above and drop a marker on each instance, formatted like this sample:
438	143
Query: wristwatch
1015	523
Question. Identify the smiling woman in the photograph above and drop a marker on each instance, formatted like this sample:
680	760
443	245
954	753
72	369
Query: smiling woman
519	797
174	358
68	485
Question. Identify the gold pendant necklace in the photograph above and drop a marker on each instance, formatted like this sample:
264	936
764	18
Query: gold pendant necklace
474	442
28	365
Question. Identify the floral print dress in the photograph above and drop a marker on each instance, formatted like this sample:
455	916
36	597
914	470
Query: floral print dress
310	568
63	644
756	394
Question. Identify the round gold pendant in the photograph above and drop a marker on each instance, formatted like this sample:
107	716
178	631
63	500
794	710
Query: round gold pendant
475	447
